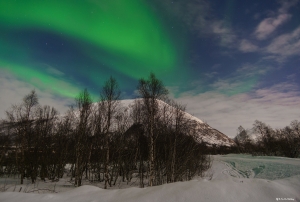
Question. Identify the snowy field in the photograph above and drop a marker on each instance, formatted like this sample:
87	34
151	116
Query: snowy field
231	178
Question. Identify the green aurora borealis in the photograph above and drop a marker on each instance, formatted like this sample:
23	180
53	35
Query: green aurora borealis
229	61
86	41
64	46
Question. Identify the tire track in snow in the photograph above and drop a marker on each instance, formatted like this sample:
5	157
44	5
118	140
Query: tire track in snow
234	172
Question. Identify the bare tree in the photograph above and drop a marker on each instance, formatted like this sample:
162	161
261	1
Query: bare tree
21	117
151	90
279	142
179	128
289	140
82	133
43	130
109	97
242	139
295	125
151	139
5	148
266	135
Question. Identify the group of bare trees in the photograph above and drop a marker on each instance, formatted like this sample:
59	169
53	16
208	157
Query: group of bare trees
268	141
28	127
150	140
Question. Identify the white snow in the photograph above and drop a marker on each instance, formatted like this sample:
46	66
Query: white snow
231	178
213	137
128	102
204	132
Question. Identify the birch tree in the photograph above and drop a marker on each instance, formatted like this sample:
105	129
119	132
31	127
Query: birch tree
151	90
82	133
109	99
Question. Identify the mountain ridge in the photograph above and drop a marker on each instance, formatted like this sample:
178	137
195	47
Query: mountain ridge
203	134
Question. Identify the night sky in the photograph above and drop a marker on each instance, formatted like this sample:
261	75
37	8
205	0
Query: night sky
230	61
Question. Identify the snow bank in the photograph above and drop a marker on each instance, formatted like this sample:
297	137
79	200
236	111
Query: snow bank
227	183
197	190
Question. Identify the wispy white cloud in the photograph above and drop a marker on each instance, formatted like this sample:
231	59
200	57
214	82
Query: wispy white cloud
197	17
250	70
224	33
51	70
277	48
54	71
226	84
292	77
276	106
247	46
216	66
286	5
211	74
244	78
268	25
285	45
238	100
284	94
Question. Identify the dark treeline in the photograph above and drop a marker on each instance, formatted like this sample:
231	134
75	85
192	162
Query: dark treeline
102	142
268	141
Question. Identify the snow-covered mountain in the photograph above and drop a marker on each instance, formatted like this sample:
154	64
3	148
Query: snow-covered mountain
204	133
212	136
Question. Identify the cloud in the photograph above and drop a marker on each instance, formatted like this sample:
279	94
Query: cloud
243	79
238	100
13	90
211	74
226	85
197	17
285	45
283	94
224	32
216	66
250	70
192	13
234	85
286	5
274	105
268	25
247	46
54	71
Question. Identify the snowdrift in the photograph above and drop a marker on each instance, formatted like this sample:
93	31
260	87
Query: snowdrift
226	181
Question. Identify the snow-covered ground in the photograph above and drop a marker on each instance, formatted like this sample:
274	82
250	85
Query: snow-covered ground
231	178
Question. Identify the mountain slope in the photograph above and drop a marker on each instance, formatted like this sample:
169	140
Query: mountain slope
203	134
